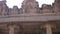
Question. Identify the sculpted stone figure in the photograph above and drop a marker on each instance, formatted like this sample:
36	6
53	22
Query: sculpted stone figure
30	6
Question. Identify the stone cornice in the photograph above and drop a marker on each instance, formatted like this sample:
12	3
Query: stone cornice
29	18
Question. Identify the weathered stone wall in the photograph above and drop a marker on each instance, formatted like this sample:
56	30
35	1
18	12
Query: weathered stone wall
56	6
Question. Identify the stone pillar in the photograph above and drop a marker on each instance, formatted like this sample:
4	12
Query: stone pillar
11	30
48	29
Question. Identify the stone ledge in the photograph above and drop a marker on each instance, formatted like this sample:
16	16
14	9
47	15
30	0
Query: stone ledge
24	15
30	18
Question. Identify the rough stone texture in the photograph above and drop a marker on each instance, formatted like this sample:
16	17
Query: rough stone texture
57	6
46	8
30	18
14	10
29	7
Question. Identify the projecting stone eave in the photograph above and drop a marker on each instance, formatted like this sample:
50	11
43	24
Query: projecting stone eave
31	18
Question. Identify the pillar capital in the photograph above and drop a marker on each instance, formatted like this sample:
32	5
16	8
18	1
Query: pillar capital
48	25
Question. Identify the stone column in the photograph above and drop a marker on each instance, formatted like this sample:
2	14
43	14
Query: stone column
48	29
11	30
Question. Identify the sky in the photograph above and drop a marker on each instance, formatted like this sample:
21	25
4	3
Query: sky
11	3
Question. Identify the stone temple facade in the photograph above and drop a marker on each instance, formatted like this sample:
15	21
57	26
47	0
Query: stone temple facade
30	18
